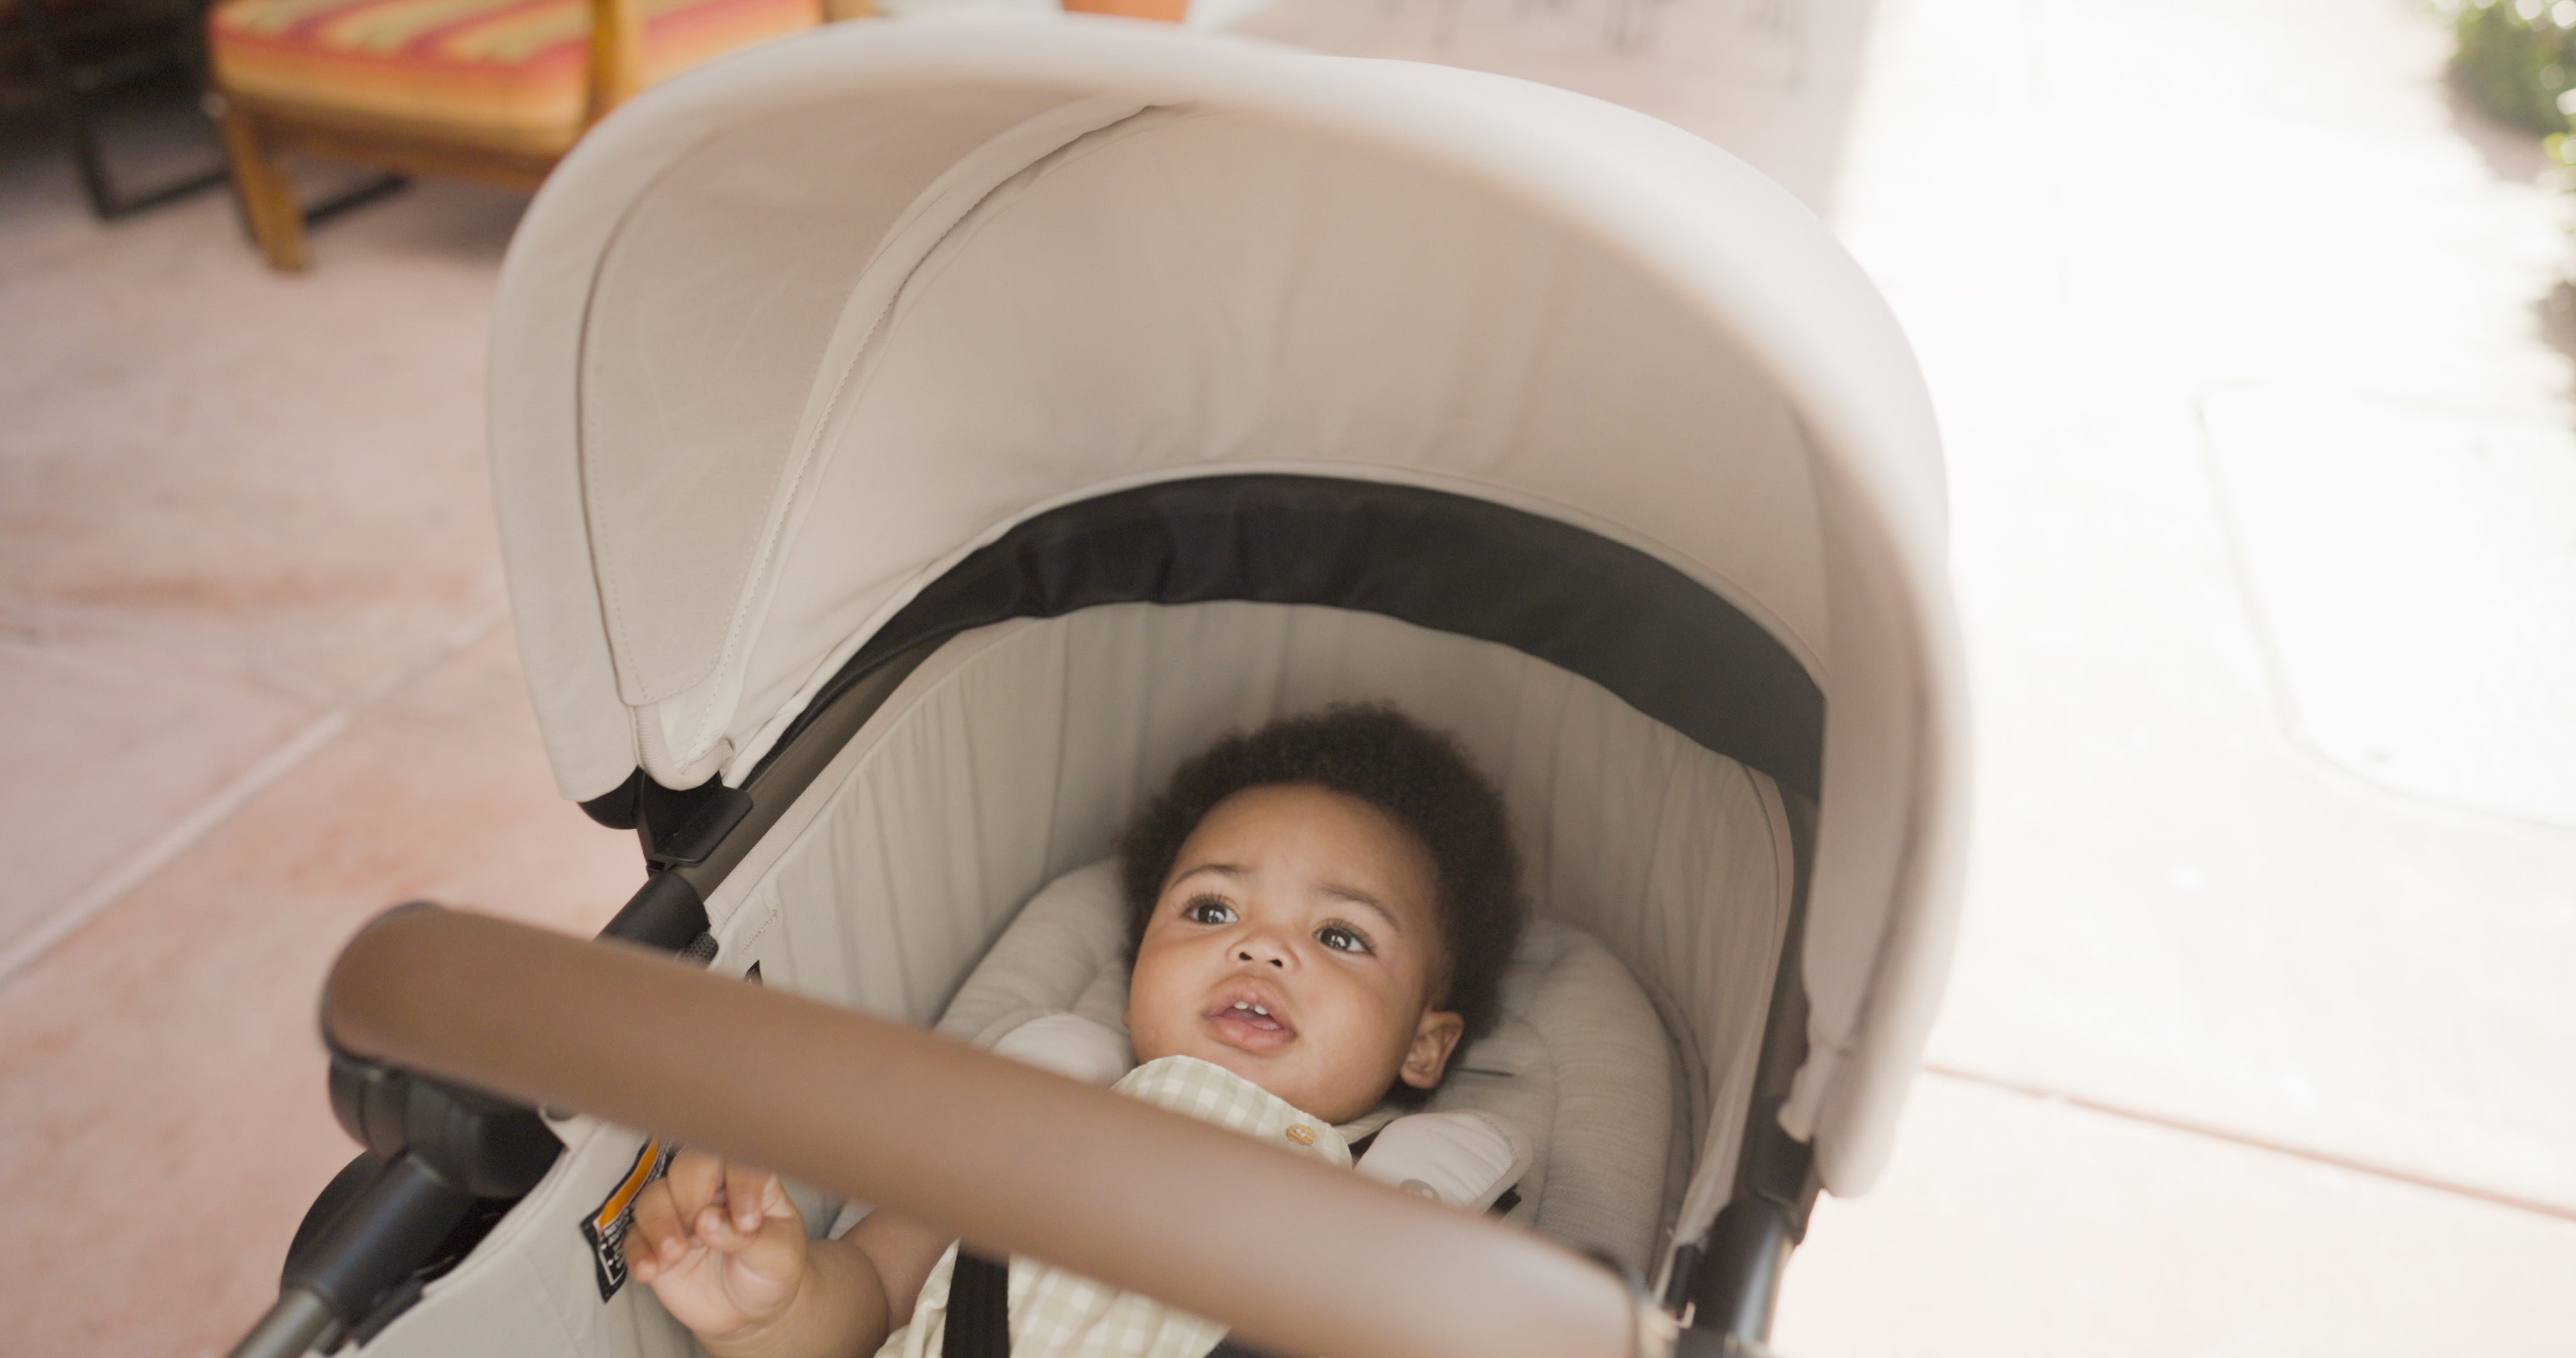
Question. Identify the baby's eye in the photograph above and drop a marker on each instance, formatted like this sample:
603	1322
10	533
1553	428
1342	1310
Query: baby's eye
1341	938
1208	910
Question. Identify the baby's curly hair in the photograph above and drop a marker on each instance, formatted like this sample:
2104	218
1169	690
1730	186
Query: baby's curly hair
1386	759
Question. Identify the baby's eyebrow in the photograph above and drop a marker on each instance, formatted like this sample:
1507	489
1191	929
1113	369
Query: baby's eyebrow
1362	898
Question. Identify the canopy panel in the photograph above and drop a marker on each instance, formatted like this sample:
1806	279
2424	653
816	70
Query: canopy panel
784	340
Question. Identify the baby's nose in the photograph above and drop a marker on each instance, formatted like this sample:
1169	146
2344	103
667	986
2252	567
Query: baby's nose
1260	952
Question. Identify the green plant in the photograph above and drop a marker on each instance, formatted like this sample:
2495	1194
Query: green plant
2517	58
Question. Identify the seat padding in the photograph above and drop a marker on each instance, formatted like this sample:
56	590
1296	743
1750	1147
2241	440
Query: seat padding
1013	756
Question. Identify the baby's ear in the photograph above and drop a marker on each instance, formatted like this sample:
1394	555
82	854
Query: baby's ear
1434	1040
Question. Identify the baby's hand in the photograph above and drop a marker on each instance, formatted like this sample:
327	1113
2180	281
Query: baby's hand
720	1245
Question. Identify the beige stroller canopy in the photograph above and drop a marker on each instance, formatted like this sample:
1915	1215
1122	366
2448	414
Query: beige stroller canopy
784	343
799	333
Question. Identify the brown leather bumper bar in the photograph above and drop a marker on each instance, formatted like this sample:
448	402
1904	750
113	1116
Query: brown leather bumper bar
1296	1256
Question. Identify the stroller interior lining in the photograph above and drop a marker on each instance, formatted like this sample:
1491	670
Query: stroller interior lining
1015	754
1042	737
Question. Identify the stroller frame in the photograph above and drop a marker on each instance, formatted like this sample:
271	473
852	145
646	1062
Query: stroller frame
443	1164
1536	371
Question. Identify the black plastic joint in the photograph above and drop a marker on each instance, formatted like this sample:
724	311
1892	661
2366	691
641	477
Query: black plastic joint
1736	1286
680	829
1780	1170
665	913
486	1147
1711	1344
378	1238
616	808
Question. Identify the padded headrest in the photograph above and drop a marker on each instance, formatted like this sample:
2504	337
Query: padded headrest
1579	1064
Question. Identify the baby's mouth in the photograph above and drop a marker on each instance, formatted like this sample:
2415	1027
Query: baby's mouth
1249	1024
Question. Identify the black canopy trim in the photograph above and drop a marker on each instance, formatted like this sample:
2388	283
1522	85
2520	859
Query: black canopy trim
1659	640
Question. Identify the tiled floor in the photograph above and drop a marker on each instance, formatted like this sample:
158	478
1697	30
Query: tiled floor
2182	902
261	686
2257	1041
164	1117
2013	1225
2111	229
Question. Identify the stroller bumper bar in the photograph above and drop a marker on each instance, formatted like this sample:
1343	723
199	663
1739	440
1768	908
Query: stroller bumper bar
1114	1189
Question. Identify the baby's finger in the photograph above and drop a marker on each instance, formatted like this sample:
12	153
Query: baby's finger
775	1206
694	1178
747	1194
714	1227
656	1237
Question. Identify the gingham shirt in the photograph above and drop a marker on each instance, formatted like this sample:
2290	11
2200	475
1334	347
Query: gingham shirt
1056	1314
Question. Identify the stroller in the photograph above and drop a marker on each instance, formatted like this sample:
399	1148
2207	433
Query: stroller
912	440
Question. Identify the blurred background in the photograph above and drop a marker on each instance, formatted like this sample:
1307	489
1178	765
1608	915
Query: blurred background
2250	334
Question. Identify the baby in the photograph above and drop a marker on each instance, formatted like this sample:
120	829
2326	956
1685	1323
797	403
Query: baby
1322	908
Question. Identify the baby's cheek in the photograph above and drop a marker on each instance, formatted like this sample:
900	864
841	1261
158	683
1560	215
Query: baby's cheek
1148	1032
1150	1022
1361	1064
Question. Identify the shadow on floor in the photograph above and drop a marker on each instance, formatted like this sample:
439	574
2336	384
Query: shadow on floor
148	135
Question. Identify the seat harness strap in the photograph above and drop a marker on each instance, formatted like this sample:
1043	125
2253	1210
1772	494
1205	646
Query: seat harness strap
979	1313
979	1309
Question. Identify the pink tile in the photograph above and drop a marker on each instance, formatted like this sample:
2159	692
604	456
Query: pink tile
162	1119
105	759
2009	1225
478	688
277	478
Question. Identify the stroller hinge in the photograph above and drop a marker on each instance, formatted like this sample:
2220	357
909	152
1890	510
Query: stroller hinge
487	1147
680	829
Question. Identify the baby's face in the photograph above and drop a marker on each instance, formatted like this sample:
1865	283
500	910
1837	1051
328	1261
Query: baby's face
1318	909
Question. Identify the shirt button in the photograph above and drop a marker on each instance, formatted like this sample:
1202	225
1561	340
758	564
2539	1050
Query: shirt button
1302	1134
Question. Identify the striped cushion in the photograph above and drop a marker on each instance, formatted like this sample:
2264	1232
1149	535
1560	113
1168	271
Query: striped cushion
509	73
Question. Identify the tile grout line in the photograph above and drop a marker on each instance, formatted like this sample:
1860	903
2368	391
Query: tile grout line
2327	1158
170	843
67	919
